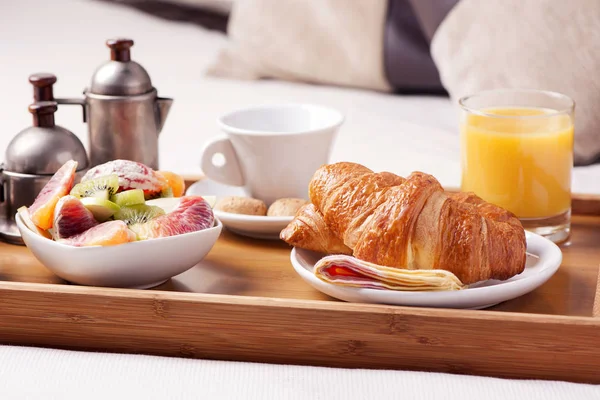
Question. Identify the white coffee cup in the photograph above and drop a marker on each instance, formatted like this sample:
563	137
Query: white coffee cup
272	151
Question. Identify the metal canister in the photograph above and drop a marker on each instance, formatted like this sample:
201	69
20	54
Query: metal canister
33	156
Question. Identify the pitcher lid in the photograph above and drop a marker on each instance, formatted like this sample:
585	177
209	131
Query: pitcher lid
42	148
120	76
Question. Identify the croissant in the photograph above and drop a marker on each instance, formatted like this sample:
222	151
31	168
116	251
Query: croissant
408	223
309	229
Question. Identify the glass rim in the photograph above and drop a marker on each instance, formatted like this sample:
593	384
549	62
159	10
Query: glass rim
555	95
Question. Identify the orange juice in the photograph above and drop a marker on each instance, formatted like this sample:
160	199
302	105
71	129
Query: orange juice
519	158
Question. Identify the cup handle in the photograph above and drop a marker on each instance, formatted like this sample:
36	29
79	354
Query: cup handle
230	172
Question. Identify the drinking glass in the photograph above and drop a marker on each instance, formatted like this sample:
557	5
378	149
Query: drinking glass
517	153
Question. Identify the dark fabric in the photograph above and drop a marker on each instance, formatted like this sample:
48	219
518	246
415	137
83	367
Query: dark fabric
409	27
431	13
178	12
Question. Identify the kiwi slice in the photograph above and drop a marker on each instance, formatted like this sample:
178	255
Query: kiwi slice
138	213
168	204
101	188
211	200
128	197
101	208
166	192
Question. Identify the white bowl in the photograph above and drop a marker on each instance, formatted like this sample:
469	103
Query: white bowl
139	265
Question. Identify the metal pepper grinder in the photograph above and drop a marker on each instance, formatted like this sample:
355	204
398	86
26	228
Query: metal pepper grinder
33	156
122	109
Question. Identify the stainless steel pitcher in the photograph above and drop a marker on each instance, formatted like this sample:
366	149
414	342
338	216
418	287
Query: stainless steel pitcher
122	109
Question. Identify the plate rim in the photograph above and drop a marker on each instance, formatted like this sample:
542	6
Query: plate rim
275	224
263	219
554	258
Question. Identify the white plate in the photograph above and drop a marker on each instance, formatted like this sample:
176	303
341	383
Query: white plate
543	260
253	226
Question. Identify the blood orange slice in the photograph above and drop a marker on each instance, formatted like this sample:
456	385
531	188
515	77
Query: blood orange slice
42	209
189	214
24	213
132	175
71	217
109	233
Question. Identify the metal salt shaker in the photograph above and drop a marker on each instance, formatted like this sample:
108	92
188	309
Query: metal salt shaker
33	156
122	109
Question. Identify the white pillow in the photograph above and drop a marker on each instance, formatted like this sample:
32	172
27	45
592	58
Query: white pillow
337	42
543	44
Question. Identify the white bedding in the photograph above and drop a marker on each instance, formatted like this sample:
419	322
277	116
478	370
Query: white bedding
383	131
47	374
397	133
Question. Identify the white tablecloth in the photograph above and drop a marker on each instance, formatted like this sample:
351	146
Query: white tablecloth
33	373
397	133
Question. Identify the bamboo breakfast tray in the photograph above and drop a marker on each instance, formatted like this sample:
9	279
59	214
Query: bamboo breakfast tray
245	302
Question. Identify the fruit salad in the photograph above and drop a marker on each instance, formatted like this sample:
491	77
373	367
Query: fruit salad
117	202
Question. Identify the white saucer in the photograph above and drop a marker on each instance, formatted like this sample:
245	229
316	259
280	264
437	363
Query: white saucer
254	226
543	260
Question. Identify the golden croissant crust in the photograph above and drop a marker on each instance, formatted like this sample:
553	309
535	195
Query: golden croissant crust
407	223
309	231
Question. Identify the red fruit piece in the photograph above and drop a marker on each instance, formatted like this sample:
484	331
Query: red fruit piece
106	234
191	214
71	218
42	209
132	175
